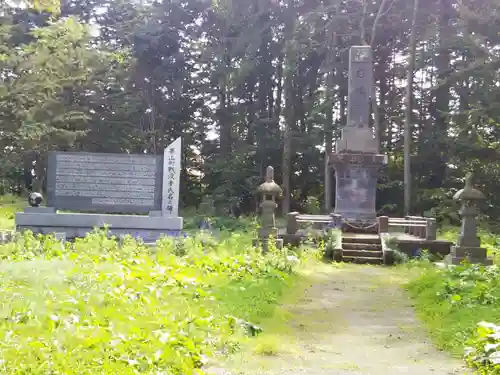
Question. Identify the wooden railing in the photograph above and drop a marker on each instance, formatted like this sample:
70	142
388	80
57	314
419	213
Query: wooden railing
418	226
294	218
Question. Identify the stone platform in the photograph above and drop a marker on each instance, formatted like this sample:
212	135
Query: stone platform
411	245
45	220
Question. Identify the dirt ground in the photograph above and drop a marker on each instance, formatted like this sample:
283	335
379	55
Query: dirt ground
352	320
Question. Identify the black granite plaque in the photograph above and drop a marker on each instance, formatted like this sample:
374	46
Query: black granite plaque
100	182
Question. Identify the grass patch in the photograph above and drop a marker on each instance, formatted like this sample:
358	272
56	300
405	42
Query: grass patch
97	308
453	301
9	205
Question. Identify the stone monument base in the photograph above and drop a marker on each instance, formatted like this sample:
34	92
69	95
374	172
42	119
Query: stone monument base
356	176
264	237
45	220
360	226
474	255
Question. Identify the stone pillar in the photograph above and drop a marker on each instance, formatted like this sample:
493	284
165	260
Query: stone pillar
468	244
336	221
431	229
356	159
291	223
269	191
383	224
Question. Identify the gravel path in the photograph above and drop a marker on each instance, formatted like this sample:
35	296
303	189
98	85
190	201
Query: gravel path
353	320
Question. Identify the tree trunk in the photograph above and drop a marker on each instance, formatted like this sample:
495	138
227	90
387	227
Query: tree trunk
289	110
408	110
330	87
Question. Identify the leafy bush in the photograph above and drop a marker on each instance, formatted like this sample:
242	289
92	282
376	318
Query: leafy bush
453	300
95	306
9	205
332	242
484	350
221	223
312	205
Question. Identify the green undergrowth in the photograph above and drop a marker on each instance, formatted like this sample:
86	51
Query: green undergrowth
9	205
452	302
95	307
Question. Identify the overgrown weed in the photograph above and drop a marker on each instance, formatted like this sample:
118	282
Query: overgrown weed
452	301
9	205
95	307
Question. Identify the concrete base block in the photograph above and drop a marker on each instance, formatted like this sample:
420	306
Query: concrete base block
40	210
473	252
474	255
484	261
73	225
388	257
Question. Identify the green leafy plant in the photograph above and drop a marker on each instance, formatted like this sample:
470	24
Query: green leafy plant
483	351
312	205
333	242
453	300
99	304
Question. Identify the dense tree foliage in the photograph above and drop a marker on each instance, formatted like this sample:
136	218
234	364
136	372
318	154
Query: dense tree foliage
252	83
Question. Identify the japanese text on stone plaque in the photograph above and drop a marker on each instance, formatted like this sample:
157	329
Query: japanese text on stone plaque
171	179
107	179
359	99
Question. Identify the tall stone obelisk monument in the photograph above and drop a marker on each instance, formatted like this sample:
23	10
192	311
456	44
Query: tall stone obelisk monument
356	158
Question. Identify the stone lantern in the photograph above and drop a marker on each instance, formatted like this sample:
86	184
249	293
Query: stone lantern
269	191
468	244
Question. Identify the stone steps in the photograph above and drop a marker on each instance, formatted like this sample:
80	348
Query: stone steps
362	253
361	260
361	238
362	248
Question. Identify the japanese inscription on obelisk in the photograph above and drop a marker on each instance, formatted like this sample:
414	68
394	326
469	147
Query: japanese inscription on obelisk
356	159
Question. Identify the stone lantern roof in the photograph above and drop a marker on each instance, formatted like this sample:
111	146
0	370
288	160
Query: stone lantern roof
270	187
469	192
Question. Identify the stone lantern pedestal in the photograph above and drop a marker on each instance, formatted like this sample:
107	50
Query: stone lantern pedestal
269	191
468	246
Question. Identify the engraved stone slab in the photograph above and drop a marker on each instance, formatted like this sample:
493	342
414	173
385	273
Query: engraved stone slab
356	189
171	178
359	86
101	182
357	134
